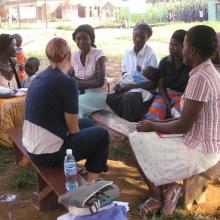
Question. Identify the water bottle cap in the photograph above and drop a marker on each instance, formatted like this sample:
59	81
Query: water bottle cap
69	151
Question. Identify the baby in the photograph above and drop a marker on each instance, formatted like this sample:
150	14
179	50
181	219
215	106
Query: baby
31	68
148	73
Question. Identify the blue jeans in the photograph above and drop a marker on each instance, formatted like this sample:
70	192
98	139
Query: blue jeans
91	143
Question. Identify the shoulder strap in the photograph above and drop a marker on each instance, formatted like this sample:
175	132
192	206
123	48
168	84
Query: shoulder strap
15	73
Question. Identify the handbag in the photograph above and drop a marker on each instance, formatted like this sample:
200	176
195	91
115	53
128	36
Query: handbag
90	198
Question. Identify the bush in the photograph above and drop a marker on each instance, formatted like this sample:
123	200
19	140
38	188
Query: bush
183	10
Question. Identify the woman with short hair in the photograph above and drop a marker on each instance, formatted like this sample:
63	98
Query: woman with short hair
51	122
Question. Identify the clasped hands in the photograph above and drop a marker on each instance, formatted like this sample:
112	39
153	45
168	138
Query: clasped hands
145	126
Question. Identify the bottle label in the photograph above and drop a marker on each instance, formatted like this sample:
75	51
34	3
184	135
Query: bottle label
71	186
69	169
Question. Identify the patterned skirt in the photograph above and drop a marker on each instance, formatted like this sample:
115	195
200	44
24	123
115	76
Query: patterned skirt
158	108
11	115
166	160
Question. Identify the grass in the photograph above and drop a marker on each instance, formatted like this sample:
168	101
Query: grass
5	157
175	216
23	178
114	42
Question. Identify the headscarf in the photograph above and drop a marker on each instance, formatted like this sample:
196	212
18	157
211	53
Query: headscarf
5	41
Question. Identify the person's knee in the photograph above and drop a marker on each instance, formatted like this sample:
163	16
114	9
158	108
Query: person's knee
110	99
103	135
129	97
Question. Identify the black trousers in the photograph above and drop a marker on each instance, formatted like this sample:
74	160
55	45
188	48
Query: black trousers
128	105
91	143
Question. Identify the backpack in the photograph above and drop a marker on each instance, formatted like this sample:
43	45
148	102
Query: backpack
90	198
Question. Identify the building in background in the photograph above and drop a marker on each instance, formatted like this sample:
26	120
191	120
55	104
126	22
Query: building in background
34	10
214	10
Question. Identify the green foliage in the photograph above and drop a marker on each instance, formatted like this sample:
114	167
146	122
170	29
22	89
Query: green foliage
114	46
65	27
54	19
24	178
5	156
178	216
157	11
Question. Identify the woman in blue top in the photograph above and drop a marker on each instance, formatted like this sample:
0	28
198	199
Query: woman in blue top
51	117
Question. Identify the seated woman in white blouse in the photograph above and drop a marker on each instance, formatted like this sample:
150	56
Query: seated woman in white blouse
128	100
88	61
89	71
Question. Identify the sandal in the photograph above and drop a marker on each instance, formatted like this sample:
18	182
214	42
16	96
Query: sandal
170	204
151	205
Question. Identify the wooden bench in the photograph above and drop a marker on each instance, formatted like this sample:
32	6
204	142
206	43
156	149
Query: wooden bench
50	180
193	188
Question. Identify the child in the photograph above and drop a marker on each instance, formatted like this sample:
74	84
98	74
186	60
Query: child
21	59
31	67
148	73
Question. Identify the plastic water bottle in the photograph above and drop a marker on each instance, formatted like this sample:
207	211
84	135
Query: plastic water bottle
70	171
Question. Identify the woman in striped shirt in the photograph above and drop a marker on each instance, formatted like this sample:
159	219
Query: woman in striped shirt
166	160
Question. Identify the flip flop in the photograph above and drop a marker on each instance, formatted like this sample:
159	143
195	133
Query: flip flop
151	205
170	205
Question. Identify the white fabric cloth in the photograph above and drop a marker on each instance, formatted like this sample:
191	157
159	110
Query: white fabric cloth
166	160
5	90
145	57
135	77
38	140
146	95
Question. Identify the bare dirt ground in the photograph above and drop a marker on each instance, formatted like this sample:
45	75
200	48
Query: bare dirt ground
122	170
